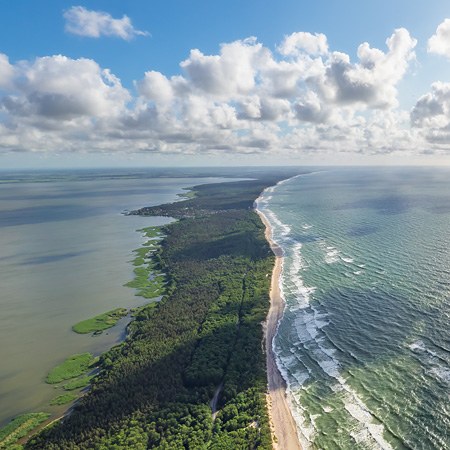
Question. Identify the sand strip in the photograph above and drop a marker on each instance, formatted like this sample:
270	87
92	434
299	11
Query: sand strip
284	428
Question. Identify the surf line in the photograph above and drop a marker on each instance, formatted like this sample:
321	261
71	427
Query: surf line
283	425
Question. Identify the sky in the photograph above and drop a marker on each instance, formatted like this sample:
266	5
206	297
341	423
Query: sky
206	83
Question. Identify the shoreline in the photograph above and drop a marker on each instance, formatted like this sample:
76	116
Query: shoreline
282	423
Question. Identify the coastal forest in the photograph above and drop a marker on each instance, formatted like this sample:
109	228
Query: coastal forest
191	373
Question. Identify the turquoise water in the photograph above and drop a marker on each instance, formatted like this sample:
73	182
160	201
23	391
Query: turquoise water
365	339
65	255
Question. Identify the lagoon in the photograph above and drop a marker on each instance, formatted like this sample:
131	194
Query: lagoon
65	255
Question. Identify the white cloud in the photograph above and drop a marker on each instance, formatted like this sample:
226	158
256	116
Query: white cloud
246	99
311	109
60	104
296	43
439	43
6	71
431	114
60	88
230	73
155	86
83	22
372	81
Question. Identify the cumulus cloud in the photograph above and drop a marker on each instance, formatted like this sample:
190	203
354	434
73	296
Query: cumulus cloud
60	88
230	73
431	114
6	71
296	43
439	43
246	99
311	109
155	86
373	80
83	22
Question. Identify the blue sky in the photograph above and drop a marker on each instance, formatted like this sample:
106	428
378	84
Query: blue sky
340	106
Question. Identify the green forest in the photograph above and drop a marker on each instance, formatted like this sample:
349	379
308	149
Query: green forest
202	341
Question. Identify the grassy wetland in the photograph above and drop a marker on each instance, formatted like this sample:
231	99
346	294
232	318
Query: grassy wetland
18	428
101	322
72	367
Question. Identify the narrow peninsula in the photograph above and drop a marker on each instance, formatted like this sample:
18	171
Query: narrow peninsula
191	373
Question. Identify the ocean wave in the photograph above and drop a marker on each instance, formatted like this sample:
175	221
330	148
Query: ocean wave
347	259
434	361
308	324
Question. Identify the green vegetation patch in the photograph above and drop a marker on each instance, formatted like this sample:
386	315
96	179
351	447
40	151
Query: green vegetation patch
100	322
78	383
149	280
64	399
148	286
20	427
72	367
152	232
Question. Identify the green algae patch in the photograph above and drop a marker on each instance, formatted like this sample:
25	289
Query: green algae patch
64	399
78	383
72	367
100	322
20	427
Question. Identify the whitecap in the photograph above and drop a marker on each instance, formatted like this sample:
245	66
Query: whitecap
331	253
442	373
417	345
347	259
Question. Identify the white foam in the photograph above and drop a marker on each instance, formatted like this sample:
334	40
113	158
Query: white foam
329	365
368	431
279	229
306	430
417	345
436	364
443	373
332	256
347	259
331	253
357	409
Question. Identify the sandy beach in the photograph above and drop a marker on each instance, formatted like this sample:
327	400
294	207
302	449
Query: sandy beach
284	429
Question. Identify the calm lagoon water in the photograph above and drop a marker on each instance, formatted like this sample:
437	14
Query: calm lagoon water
365	339
65	255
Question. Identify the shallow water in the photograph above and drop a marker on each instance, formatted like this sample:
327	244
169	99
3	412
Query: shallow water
65	255
365	338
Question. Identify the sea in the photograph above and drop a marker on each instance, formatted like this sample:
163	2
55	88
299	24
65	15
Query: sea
65	255
364	343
